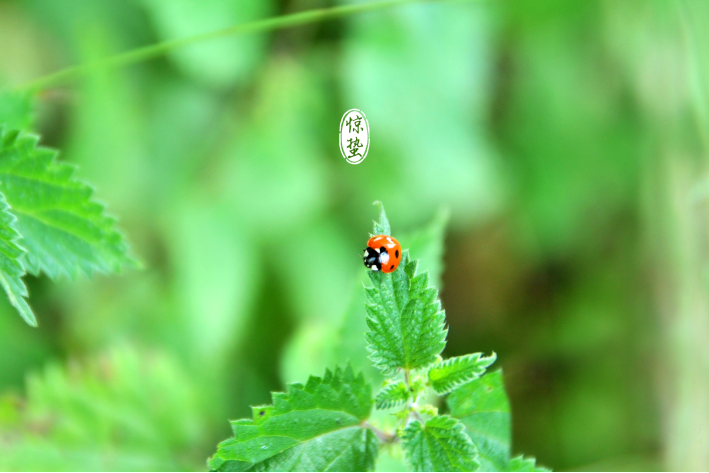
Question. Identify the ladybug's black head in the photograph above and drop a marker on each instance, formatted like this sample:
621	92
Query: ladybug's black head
373	259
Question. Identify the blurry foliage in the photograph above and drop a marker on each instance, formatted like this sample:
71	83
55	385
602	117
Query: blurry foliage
222	63
15	110
126	410
547	130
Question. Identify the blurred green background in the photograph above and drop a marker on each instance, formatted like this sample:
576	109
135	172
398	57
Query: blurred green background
562	145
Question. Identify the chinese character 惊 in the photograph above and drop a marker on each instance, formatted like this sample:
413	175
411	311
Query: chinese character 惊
357	120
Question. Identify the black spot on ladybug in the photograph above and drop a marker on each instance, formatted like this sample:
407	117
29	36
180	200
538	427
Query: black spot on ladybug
396	253
392	266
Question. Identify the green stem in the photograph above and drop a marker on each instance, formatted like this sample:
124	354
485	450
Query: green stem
384	437
409	405
149	52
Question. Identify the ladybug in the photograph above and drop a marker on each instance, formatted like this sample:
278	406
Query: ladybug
383	253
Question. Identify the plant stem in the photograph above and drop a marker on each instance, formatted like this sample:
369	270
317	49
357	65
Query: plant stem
384	437
149	52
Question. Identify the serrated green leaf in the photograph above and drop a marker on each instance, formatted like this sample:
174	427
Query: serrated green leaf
393	395
404	316
482	406
382	227
521	463
439	445
65	232
405	319
453	372
311	427
427	242
11	270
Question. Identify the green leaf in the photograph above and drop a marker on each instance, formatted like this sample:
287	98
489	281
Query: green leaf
65	232
11	270
453	372
440	445
393	395
382	227
482	406
404	316
521	463
427	242
313	427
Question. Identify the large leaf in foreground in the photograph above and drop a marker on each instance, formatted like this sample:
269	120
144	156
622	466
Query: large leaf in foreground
65	232
11	270
439	445
482	406
313	427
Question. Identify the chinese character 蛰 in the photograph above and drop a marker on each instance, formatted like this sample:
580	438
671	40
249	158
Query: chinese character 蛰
354	145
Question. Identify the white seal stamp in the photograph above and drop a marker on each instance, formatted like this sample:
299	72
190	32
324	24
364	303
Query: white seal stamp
354	136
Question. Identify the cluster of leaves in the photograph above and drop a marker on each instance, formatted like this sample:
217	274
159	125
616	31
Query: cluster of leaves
49	222
329	423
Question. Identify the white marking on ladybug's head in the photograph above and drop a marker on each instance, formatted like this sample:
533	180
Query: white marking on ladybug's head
374	268
379	250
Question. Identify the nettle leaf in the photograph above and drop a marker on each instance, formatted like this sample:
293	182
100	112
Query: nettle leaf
439	445
482	406
404	316
65	232
521	463
11	270
382	227
393	395
313	427
453	372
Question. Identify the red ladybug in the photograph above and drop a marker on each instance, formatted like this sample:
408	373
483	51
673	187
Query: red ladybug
383	253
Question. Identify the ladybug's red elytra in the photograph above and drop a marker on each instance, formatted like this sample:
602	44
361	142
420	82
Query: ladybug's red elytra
383	253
